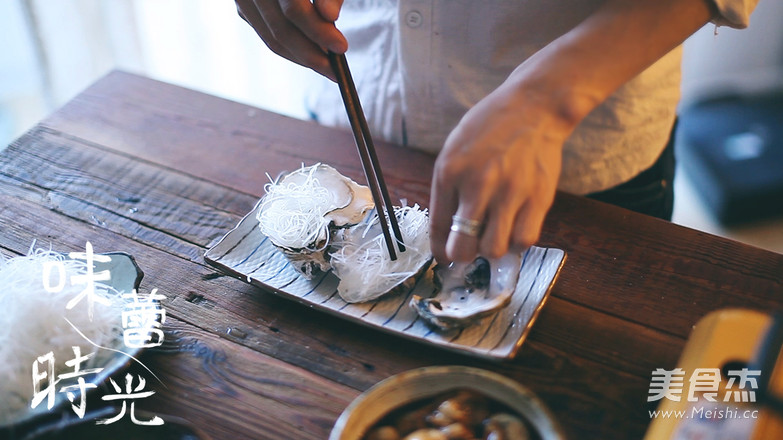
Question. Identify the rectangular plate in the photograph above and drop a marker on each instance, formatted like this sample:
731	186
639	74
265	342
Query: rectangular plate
249	255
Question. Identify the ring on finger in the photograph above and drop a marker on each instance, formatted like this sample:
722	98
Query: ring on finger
466	226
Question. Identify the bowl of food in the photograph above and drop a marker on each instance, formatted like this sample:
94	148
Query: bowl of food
446	403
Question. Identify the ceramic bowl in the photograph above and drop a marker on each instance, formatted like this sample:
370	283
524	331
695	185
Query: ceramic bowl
422	383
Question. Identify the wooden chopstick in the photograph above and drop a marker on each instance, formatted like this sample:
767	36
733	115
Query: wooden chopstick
364	144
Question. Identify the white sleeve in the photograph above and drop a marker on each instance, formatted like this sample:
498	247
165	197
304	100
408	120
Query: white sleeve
734	13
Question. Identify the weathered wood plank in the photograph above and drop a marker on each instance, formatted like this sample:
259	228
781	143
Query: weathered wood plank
93	214
188	208
653	272
330	347
132	198
257	393
36	163
610	254
72	155
167	207
151	120
196	296
128	227
626	299
194	374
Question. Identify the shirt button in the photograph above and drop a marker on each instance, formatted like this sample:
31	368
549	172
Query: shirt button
413	19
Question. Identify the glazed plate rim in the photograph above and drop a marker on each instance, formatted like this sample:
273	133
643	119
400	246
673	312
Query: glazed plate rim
223	256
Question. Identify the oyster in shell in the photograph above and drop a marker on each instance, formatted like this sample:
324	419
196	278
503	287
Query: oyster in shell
468	292
361	259
302	210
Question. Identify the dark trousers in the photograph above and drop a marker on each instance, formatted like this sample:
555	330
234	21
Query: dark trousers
651	192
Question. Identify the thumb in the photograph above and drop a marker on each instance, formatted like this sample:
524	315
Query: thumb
328	9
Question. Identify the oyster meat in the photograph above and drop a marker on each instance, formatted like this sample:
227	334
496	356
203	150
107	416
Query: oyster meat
361	259
321	220
301	211
468	292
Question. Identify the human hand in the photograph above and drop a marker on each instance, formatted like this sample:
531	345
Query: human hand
500	166
298	30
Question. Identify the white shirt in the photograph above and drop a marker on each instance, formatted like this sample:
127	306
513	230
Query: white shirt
419	65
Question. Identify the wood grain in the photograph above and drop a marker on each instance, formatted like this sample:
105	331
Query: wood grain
686	268
242	390
149	220
161	172
337	350
150	120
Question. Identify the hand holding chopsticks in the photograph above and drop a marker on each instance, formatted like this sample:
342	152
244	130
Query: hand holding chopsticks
364	144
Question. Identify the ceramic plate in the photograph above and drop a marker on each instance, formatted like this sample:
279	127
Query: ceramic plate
249	255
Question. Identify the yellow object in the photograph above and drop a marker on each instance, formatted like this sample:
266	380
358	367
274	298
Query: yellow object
723	341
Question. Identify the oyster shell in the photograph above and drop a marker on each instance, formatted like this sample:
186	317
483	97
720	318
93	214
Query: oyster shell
361	259
321	220
301	211
468	292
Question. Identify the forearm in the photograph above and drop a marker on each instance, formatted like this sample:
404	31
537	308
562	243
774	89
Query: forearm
575	73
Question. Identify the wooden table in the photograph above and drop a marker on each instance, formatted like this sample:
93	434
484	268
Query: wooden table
162	172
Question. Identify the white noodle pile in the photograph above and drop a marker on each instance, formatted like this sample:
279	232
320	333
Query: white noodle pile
362	260
292	215
33	323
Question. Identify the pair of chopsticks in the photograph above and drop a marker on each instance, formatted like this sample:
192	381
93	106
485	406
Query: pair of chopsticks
372	170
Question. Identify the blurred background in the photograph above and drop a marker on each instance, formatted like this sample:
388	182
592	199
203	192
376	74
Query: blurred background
51	50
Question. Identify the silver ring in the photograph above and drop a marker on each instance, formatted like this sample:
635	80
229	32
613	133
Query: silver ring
466	226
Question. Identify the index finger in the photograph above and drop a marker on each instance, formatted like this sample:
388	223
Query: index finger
443	204
304	15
